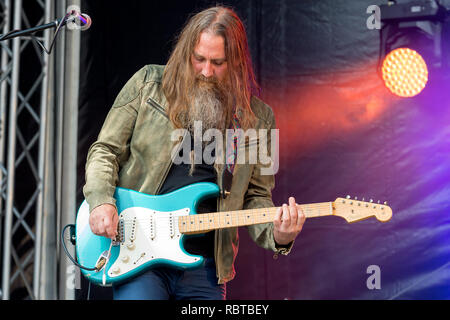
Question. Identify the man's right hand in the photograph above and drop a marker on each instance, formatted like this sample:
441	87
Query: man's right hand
103	221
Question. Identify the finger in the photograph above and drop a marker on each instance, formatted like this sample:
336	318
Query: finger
293	210
112	231
301	217
100	228
94	228
278	215
286	215
106	221
93	224
107	224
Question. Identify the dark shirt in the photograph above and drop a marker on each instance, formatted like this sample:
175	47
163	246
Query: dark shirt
179	177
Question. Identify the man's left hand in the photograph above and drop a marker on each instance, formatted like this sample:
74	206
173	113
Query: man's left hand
288	222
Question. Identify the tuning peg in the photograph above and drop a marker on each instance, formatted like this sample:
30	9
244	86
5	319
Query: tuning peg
363	199
371	200
385	203
356	198
378	201
348	197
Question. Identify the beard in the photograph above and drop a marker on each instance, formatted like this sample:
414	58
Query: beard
209	103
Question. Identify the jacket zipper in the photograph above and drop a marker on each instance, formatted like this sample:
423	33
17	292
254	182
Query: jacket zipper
157	107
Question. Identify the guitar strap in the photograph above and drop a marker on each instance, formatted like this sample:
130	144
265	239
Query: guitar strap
231	156
227	178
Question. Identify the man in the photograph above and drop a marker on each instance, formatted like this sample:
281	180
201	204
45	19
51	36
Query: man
208	80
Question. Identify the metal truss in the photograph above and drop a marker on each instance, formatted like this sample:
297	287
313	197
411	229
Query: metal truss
23	129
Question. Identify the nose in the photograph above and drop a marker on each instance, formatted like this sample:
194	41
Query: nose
207	70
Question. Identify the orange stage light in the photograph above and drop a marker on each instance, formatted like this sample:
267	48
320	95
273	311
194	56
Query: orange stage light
405	72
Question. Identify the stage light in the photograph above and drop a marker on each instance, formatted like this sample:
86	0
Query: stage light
413	45
404	72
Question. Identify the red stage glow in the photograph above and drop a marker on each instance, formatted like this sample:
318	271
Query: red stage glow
340	104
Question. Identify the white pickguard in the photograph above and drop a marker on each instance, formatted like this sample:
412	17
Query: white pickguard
148	235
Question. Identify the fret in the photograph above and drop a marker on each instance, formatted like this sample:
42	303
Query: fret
232	219
217	220
312	212
191	221
248	218
182	221
210	219
181	224
226	219
237	219
200	218
195	219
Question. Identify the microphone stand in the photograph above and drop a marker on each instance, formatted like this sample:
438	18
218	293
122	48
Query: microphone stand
55	24
26	32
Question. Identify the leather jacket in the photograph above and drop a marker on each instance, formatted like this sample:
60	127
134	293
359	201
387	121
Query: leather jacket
133	151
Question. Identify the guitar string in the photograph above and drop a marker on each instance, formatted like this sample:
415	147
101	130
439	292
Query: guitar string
236	214
220	215
161	214
217	219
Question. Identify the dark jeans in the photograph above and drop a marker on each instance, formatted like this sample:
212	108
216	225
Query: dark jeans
167	283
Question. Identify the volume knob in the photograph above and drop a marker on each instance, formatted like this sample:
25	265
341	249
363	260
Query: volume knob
116	270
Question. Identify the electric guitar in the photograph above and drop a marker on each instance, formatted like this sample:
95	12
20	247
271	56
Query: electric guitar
151	229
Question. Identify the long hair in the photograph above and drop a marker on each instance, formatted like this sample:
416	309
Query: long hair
179	75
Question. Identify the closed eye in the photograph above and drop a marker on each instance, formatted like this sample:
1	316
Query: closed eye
218	63
198	58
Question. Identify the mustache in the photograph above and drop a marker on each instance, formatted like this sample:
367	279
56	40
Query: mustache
210	80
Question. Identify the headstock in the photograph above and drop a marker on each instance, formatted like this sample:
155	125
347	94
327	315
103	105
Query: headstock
354	210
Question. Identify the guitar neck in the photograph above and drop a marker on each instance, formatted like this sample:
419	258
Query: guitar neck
199	223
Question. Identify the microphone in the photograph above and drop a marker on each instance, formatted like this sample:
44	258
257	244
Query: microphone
86	21
79	21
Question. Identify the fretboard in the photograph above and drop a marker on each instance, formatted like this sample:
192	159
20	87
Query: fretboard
218	220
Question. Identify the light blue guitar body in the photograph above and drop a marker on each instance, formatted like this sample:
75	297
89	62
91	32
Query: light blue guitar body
148	234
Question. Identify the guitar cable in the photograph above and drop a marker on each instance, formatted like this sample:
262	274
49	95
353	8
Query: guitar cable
72	226
106	262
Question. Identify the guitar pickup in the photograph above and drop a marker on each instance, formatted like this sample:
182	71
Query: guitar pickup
171	225
120	233
152	227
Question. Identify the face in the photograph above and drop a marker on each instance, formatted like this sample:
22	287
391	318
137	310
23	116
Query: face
209	58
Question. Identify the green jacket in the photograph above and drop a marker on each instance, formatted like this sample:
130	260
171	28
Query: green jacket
133	150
